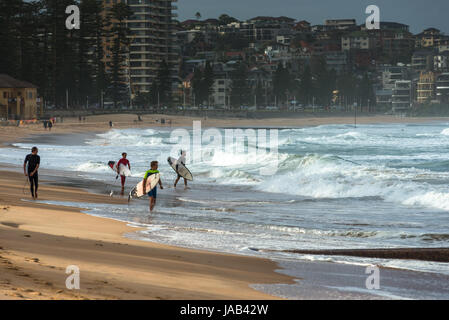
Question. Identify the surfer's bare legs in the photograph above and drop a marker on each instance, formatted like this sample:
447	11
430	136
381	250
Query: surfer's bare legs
177	180
123	184
152	203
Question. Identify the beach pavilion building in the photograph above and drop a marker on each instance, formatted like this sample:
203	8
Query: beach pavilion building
18	99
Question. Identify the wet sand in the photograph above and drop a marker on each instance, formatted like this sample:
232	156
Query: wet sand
38	242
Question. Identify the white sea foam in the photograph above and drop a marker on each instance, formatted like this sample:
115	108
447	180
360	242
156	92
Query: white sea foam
335	187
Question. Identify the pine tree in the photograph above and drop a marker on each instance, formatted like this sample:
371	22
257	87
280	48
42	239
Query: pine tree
120	12
163	80
305	89
259	94
9	33
197	85
282	83
239	86
208	81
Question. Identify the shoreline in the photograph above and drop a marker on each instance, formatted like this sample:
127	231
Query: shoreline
100	123
17	221
38	241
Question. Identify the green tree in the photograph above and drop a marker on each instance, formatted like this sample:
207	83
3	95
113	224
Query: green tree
208	81
305	88
259	94
9	33
198	85
239	86
142	99
325	81
164	84
346	85
225	19
282	83
365	92
120	12
154	93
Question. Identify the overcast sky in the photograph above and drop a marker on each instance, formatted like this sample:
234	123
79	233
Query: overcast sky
419	14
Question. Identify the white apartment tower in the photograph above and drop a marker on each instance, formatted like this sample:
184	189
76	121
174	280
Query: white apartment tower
152	41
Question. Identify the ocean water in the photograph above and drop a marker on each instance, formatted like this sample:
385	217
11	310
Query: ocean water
336	186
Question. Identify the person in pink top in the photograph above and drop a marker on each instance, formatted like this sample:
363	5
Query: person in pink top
125	162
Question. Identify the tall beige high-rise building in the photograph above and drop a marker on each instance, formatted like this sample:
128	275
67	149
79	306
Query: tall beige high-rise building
152	41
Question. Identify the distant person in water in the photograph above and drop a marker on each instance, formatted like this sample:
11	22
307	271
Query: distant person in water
125	162
153	193
181	160
45	124
50	125
110	124
30	169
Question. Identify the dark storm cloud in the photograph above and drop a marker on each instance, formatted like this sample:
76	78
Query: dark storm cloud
418	14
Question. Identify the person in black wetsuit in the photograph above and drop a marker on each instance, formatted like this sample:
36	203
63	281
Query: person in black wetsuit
33	161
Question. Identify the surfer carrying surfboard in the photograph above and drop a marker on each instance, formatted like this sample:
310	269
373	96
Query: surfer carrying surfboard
153	193
182	161
33	161
125	162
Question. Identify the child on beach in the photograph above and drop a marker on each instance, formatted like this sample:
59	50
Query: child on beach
153	193
181	160
125	162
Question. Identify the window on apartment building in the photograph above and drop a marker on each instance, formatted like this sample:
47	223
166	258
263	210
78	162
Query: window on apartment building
5	95
30	95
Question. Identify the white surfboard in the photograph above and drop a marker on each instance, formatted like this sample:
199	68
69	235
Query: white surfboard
123	170
137	191
180	169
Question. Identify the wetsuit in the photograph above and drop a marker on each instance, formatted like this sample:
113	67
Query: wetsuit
33	161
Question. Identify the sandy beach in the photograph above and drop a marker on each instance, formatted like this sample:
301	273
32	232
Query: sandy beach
38	241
